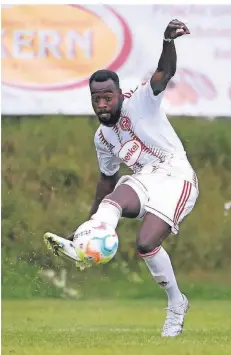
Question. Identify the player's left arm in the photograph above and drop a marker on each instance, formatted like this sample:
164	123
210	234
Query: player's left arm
167	62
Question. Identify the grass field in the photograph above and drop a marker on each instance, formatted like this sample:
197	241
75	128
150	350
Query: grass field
53	327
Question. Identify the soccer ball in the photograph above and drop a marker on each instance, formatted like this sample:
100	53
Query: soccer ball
95	242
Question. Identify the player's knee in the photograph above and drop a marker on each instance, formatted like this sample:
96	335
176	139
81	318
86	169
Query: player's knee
147	243
143	248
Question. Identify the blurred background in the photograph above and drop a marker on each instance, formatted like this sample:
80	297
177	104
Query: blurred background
49	165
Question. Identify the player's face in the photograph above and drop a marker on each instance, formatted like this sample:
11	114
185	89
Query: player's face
106	101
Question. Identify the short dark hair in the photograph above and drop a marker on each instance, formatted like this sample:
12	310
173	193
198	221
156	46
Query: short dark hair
104	75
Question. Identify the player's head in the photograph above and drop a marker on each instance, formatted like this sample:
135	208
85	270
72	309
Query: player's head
106	96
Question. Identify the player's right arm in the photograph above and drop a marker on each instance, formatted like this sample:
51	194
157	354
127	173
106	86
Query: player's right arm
109	166
105	186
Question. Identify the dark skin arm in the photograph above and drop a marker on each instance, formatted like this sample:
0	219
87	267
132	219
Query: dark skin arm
167	63
104	187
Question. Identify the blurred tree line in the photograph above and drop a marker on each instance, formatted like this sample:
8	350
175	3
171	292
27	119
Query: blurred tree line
49	174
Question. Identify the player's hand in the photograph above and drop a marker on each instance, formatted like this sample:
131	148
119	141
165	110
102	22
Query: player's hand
176	29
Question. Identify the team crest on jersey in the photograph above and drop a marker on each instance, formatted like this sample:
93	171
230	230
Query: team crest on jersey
125	123
130	152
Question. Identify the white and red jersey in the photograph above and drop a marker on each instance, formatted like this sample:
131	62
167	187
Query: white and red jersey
142	139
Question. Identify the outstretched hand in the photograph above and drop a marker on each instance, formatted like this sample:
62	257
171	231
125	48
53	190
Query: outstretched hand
175	29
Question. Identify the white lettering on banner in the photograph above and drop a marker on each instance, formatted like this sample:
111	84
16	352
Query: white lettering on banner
20	43
84	41
49	44
3	48
130	152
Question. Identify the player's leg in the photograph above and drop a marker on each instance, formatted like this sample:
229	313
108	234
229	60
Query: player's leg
123	201
127	201
171	199
149	239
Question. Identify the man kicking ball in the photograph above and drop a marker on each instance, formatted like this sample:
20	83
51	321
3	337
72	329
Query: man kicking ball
162	190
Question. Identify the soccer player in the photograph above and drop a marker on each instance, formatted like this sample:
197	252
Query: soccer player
163	189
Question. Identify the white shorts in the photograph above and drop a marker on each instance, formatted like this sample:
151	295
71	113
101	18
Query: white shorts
168	197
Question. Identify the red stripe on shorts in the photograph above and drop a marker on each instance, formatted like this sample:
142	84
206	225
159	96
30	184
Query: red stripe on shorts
189	188
181	199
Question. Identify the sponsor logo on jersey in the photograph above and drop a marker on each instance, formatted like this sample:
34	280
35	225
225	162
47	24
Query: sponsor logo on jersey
130	152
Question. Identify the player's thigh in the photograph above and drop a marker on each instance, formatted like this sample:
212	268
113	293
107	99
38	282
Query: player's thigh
128	199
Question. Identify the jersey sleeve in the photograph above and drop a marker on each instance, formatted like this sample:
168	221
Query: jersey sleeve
144	98
108	163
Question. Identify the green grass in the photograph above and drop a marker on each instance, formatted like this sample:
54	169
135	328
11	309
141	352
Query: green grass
58	327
